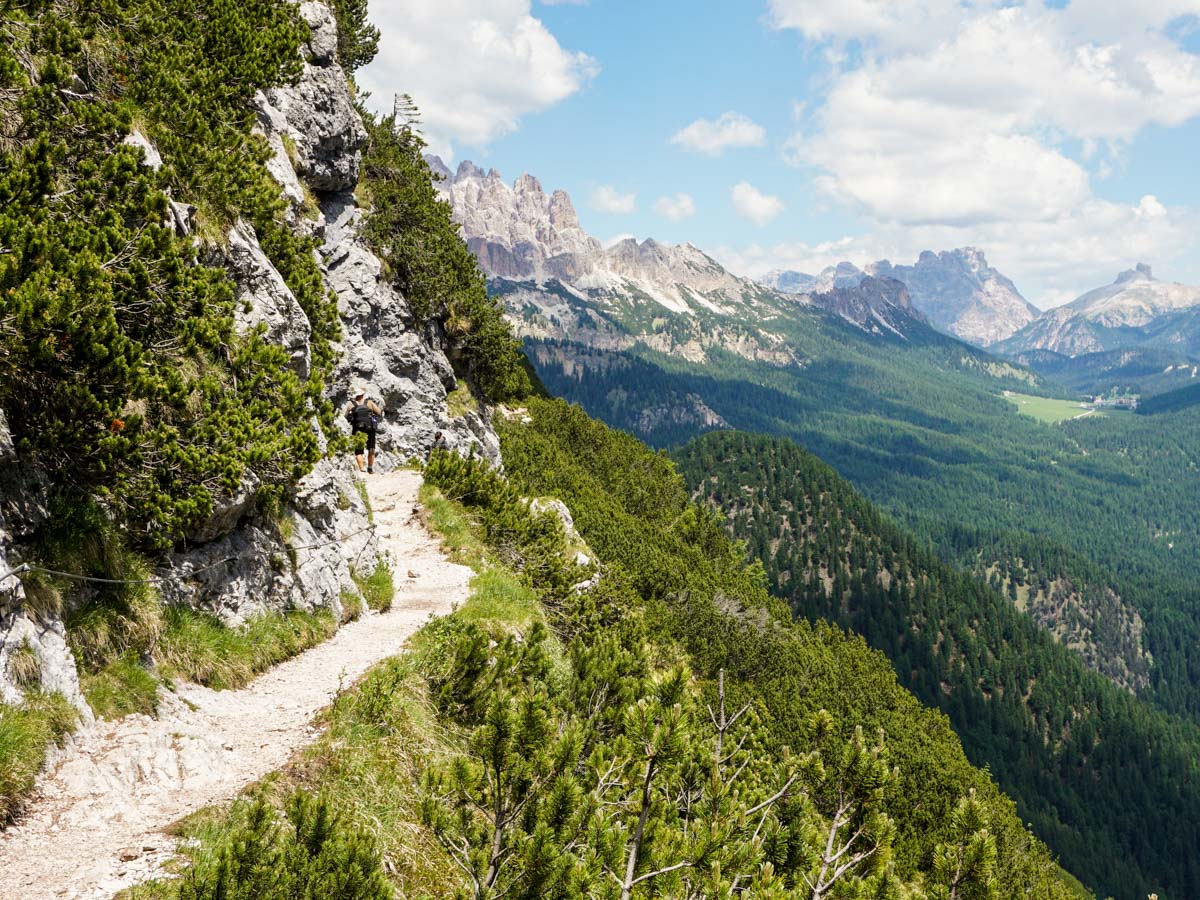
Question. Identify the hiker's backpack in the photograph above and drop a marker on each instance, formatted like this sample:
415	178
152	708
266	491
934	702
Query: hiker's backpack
362	418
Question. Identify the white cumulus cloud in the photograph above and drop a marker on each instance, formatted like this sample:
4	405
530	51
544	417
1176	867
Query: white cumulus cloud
474	67
714	136
676	208
752	204
607	199
991	123
963	114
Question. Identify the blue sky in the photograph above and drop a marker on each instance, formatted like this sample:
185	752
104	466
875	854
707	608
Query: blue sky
1061	139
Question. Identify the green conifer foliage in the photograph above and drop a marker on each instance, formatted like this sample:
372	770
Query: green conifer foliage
358	39
311	854
120	368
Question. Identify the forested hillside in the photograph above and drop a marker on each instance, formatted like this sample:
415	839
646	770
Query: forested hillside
673	584
660	730
921	428
1111	784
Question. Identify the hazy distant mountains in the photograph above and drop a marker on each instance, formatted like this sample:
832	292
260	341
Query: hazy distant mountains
1136	310
956	289
561	283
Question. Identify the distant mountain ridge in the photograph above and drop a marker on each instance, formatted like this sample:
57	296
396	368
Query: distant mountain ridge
1135	310
532	246
959	292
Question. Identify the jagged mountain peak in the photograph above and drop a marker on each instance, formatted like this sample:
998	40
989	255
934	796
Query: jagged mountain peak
1140	271
1136	309
957	289
520	235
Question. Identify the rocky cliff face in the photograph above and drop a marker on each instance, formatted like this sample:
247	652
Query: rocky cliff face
1136	310
873	302
240	563
24	627
956	289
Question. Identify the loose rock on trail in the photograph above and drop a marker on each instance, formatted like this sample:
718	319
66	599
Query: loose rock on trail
96	824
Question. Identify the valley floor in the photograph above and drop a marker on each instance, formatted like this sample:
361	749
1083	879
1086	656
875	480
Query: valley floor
97	823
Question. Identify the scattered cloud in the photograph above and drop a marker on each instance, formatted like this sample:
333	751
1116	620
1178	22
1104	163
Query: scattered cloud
752	204
607	199
713	137
474	67
676	208
969	114
1051	262
944	123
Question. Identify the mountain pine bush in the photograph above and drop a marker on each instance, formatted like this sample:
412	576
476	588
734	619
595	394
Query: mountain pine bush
120	369
311	853
621	771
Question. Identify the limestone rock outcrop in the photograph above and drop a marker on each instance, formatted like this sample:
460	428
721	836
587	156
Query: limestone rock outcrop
264	299
33	643
305	553
241	563
317	114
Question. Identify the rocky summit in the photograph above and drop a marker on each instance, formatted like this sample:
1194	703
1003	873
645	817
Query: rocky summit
1135	310
956	289
558	282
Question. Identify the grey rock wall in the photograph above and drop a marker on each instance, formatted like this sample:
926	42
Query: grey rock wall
24	630
242	563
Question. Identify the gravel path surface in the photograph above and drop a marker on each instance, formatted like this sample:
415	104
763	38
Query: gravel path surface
96	825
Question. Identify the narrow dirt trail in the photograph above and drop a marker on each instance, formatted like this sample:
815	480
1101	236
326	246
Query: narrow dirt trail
96	825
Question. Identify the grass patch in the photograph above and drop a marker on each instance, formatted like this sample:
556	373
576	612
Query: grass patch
352	606
25	666
378	588
196	647
461	401
499	598
461	539
27	731
109	628
1048	409
121	688
43	598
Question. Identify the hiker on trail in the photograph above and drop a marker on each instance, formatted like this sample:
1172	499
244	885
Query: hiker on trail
439	443
363	414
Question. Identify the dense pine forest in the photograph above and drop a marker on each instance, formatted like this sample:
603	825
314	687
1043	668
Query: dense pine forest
1111	784
920	426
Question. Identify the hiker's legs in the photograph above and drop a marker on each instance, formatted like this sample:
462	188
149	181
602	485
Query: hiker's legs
358	458
370	452
371	461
